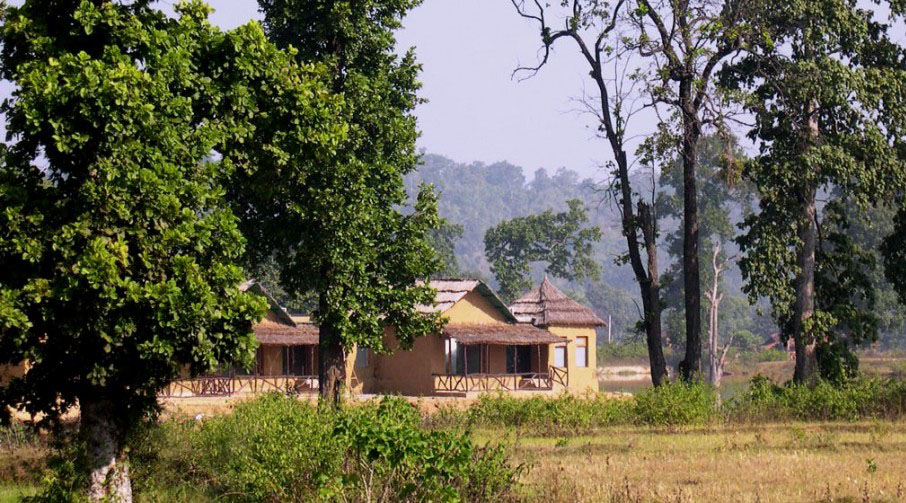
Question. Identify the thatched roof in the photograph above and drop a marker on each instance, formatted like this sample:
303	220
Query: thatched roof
546	305
283	335
278	327
451	291
510	334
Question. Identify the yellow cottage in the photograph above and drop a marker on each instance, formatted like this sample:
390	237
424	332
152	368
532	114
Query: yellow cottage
286	360
545	343
484	347
547	307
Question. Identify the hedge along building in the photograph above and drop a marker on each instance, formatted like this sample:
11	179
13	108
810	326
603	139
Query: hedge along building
547	307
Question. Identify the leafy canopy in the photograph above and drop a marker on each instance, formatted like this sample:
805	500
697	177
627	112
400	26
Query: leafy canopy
833	64
121	262
561	240
340	223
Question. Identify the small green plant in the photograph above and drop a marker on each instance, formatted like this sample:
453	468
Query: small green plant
870	465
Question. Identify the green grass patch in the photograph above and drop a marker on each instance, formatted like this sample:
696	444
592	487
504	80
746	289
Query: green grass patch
12	493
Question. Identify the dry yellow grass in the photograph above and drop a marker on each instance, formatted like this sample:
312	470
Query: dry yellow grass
863	462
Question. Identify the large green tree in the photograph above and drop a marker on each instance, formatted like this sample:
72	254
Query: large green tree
562	241
119	259
827	87
338	223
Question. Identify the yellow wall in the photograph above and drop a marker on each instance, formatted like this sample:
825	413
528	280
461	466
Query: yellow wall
412	372
581	379
473	309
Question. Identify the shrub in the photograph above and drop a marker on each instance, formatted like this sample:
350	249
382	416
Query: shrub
672	404
275	448
627	351
861	398
551	416
764	356
676	404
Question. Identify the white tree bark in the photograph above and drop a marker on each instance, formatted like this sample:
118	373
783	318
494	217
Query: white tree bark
716	355
108	478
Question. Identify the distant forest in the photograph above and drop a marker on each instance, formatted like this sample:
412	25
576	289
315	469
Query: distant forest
478	196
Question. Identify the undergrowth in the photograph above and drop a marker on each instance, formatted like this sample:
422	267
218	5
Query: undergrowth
680	404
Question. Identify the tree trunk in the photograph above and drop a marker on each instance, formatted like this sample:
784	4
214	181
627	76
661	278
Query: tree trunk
691	364
806	370
714	297
331	360
108	466
651	299
331	367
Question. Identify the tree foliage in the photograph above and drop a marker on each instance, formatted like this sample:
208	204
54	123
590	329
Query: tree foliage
121	260
443	241
825	83
336	221
560	240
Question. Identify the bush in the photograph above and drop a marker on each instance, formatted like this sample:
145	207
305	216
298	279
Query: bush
673	404
276	448
627	351
764	356
861	398
550	416
676	404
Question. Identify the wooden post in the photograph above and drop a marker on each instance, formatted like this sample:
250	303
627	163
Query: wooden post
538	347
311	359
465	360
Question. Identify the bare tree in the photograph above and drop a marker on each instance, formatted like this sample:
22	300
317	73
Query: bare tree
716	355
592	26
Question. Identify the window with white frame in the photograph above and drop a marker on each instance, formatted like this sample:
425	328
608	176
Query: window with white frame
581	351
560	355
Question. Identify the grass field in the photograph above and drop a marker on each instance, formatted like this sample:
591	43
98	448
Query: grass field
801	462
807	462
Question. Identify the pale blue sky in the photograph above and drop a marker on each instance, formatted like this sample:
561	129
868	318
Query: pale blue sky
476	112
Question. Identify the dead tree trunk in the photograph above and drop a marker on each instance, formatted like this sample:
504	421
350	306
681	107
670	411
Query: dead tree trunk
716	355
108	466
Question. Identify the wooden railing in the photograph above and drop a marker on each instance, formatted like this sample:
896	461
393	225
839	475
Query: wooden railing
560	375
228	385
501	382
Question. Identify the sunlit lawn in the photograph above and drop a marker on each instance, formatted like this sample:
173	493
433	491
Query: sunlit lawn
807	462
